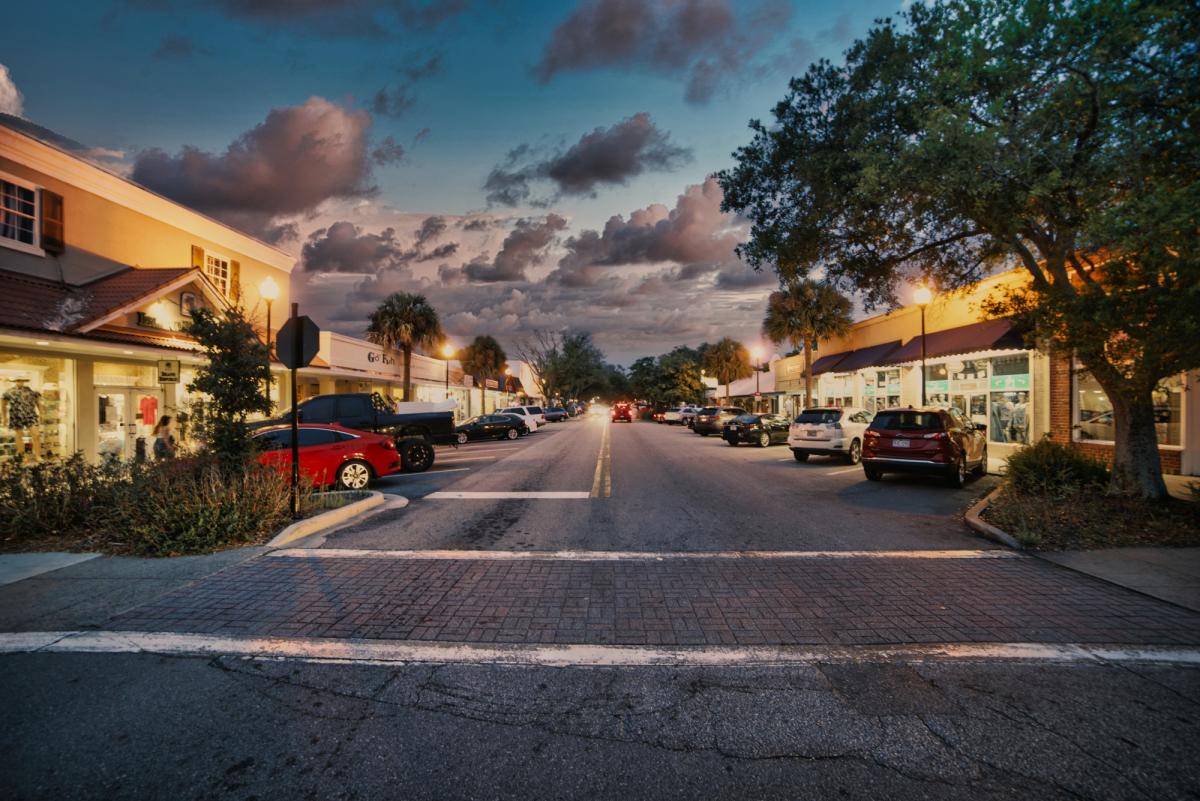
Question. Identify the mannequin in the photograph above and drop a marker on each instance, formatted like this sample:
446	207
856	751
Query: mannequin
21	410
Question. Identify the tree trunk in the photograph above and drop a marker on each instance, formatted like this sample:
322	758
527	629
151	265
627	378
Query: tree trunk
808	375
407	374
1137	469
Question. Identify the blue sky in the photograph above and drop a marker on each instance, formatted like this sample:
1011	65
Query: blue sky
138	75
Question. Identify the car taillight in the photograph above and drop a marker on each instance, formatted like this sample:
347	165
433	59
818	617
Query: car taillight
869	434
935	435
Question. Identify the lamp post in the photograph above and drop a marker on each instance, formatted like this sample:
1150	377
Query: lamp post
268	290
447	353
757	353
922	296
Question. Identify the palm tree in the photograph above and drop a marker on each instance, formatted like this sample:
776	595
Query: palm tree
728	360
403	322
483	357
803	312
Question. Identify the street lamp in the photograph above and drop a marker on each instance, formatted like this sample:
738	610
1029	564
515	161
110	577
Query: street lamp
447	353
268	290
757	354
922	296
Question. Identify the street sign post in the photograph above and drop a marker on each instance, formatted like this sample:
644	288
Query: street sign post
298	342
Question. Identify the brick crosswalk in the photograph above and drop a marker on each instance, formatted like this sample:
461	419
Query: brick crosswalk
683	601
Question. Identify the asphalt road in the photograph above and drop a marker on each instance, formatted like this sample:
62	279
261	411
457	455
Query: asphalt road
849	579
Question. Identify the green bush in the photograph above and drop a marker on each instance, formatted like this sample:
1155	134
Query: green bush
57	498
1052	469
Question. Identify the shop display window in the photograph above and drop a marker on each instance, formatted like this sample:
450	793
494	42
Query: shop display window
36	407
1094	415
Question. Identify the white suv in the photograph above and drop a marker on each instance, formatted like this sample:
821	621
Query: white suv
674	416
829	432
534	414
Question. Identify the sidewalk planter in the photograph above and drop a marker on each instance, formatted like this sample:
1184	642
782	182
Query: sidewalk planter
359	502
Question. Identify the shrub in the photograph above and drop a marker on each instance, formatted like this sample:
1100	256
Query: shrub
57	498
1052	469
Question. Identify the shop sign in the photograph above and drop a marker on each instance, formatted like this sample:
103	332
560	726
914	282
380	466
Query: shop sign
970	386
1006	382
893	386
168	371
937	386
468	381
491	383
379	357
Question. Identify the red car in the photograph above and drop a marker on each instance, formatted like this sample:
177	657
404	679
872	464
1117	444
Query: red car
622	411
929	440
330	455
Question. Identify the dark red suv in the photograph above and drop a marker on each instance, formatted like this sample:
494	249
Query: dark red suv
924	440
622	411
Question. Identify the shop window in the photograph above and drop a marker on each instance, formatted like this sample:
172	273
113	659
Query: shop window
1094	415
36	408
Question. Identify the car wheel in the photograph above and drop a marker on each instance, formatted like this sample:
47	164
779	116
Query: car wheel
702	433
512	433
983	463
800	456
958	474
872	474
354	475
854	455
461	439
764	439
416	455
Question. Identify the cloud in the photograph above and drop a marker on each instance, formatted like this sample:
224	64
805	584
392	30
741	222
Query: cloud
297	158
421	136
344	247
606	156
695	234
397	100
345	18
705	41
523	248
11	100
389	151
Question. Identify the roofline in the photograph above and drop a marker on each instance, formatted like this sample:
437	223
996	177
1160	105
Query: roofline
194	274
72	169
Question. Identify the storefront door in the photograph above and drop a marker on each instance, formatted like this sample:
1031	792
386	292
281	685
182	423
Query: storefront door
974	406
125	416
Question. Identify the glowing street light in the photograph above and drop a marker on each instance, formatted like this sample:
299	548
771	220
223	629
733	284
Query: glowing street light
448	354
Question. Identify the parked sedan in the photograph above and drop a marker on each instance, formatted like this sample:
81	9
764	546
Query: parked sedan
491	426
712	419
556	414
757	429
829	432
925	440
687	415
531	420
330	455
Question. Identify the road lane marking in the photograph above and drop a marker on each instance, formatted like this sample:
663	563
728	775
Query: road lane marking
383	652
843	472
503	495
613	556
602	480
427	473
467	458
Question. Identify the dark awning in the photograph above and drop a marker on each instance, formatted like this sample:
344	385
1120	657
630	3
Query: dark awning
987	335
825	364
867	357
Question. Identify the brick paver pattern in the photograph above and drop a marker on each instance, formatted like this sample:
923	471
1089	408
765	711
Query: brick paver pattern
670	602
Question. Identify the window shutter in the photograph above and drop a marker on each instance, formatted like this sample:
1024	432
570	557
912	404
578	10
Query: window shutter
53	225
198	257
235	280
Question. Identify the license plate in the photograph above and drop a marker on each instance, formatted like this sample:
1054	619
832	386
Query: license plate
813	433
900	443
733	428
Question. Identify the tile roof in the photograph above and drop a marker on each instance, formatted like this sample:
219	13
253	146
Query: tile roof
38	304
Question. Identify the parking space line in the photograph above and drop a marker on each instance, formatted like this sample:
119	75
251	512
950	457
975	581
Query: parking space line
468	458
488	496
843	471
428	473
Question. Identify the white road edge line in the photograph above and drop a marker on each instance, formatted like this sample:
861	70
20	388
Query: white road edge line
613	556
465	459
503	495
391	652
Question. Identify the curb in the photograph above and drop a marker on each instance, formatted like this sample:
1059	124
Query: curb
987	529
325	521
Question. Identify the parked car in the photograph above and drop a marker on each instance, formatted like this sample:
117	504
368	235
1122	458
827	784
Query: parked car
536	412
622	411
491	426
829	432
556	414
659	416
757	429
924	440
330	455
674	416
521	412
712	419
414	433
687	415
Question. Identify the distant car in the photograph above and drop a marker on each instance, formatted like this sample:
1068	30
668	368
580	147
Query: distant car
674	416
523	413
928	440
491	426
712	419
330	455
622	411
659	417
537	413
757	429
556	414
829	432
687	415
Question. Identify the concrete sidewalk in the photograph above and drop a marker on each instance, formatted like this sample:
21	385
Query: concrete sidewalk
1172	574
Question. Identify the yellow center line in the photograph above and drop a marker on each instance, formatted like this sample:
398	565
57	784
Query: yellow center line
602	479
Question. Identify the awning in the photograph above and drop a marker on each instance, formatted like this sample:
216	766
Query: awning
826	364
987	335
867	357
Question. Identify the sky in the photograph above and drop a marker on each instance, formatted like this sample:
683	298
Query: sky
525	165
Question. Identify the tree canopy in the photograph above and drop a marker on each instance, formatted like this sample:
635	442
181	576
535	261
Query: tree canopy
482	358
1057	137
569	366
403	322
802	313
728	360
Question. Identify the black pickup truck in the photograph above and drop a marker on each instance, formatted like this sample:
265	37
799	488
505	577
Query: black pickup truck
415	433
